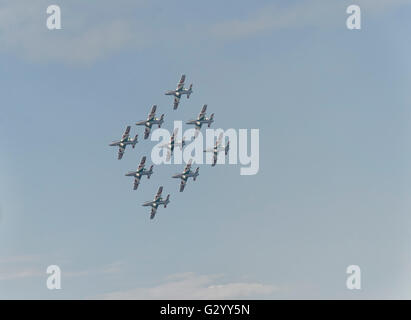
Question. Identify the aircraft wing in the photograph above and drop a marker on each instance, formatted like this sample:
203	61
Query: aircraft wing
146	132
169	152
203	112
173	137
182	185
158	195
214	158
114	143
165	146
220	138
126	133
142	162
153	212
181	83
176	102
120	153
188	166
136	183
152	112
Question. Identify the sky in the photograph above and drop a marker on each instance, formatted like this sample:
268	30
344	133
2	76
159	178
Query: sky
332	109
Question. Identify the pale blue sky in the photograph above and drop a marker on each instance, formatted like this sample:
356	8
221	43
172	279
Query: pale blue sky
332	106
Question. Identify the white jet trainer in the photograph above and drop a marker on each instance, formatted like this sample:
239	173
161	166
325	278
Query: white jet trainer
217	148
125	140
201	119
187	173
179	91
151	120
158	200
140	172
173	143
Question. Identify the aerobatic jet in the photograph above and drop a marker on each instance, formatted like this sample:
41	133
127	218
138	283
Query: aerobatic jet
125	140
218	147
151	120
187	173
201	119
158	200
173	143
140	172
179	91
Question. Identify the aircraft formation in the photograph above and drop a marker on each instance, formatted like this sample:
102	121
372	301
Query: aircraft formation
170	146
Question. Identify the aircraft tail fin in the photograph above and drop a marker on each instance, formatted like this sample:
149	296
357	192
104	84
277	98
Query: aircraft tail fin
135	141
190	91
227	147
161	120
196	173
211	120
150	172
167	201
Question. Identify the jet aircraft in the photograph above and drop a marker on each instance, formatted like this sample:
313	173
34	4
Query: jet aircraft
187	173
201	119
140	172
125	140
151	120
218	147
172	144
158	200
180	91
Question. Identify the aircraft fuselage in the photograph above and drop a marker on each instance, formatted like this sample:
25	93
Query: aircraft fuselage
178	92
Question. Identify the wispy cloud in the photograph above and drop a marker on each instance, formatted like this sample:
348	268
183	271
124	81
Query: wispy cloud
193	286
82	39
19	267
18	259
112	268
19	274
27	266
302	14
